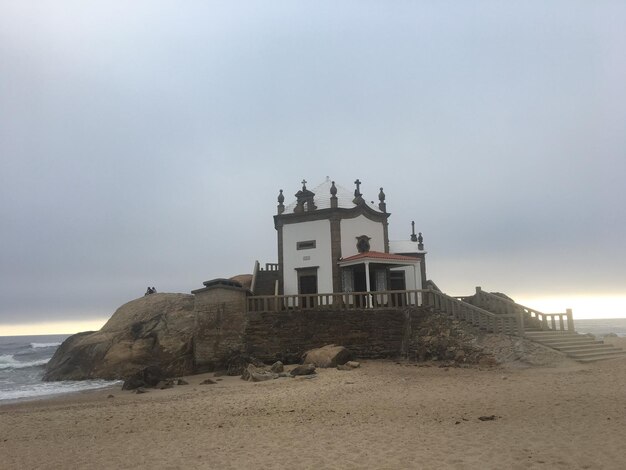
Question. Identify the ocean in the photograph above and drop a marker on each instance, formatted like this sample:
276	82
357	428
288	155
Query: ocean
22	361
602	327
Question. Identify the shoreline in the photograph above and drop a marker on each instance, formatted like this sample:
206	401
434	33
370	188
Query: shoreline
385	414
60	395
82	395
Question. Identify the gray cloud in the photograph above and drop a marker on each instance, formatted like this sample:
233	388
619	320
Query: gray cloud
146	143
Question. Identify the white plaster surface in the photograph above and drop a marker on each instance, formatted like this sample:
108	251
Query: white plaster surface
361	225
318	230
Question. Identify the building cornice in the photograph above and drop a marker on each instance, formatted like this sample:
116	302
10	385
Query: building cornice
336	213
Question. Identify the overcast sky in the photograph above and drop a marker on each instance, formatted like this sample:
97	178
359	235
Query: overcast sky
144	143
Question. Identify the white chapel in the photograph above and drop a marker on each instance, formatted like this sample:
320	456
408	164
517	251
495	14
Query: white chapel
331	240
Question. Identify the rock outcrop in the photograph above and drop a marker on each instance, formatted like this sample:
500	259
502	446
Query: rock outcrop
155	330
327	356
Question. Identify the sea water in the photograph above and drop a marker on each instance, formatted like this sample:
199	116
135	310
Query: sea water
22	363
602	327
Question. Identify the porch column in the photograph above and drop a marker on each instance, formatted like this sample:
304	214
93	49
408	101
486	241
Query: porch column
367	283
417	294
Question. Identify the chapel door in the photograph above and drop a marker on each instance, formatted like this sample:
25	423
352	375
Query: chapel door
360	285
307	285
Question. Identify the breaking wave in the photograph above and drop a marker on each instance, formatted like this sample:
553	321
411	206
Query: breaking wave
43	389
44	345
9	362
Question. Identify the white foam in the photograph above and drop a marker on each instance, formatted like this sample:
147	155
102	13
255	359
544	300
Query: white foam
54	388
8	362
44	345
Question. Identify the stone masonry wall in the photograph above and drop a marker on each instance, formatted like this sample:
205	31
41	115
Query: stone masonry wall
284	336
220	327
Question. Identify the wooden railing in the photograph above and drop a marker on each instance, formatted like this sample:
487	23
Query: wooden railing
336	301
529	317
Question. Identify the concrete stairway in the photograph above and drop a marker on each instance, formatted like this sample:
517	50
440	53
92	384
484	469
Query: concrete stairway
582	348
265	282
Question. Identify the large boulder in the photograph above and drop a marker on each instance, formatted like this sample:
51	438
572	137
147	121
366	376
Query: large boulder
327	356
155	330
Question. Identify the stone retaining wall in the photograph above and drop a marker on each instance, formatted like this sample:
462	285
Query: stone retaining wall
284	336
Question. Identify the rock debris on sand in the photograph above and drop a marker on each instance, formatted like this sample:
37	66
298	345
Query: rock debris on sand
390	416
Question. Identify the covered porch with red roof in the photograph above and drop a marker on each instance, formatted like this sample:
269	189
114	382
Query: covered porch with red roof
370	276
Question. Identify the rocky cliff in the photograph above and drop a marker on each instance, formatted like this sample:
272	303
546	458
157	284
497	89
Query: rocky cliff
153	330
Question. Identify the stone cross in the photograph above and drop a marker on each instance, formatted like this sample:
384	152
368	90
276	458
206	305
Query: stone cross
303	185
358	187
413	236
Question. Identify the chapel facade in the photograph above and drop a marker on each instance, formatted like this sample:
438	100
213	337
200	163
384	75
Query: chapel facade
332	240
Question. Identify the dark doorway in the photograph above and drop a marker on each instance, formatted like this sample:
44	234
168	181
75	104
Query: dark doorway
360	282
307	285
360	285
397	281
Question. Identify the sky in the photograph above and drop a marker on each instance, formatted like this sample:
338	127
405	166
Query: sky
144	143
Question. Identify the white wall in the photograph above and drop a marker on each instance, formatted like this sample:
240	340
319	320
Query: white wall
361	225
413	279
411	276
318	230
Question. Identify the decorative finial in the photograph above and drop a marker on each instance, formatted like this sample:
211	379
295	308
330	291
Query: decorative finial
281	199
381	197
413	236
420	242
333	196
303	185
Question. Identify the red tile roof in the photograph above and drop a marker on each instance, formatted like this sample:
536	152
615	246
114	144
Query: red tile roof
377	255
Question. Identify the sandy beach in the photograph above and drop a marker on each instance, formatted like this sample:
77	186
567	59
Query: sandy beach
385	414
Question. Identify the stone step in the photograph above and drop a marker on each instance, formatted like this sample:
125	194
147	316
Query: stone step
560	344
591	355
597	345
563	339
551	333
602	358
592	352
